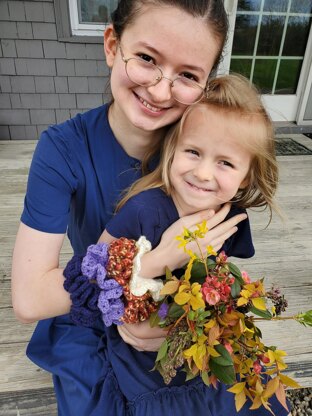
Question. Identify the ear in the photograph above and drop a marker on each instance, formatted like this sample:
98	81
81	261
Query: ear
110	45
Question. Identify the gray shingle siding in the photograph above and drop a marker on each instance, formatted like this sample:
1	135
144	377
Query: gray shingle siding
44	80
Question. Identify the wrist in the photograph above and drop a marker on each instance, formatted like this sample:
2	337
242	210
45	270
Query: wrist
152	264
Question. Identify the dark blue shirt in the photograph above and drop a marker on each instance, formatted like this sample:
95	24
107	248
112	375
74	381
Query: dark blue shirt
77	174
151	212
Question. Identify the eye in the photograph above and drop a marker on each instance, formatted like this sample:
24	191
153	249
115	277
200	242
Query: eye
192	152
189	76
146	58
226	163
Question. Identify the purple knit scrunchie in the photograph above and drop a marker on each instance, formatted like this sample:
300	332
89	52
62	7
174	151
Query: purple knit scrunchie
92	292
83	294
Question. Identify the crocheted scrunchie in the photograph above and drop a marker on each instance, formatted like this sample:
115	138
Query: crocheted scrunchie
83	294
109	302
99	285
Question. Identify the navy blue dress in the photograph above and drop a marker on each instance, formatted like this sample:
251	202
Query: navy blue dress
77	174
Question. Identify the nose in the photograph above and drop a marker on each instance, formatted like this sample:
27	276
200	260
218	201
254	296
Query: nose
203	171
161	91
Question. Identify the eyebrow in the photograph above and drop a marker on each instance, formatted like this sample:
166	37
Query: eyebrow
156	52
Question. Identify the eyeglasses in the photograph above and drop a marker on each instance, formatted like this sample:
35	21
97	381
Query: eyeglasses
147	74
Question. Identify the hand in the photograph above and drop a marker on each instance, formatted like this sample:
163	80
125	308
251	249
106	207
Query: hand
141	336
153	263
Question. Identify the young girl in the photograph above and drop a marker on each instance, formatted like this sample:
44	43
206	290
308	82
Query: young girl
161	53
222	150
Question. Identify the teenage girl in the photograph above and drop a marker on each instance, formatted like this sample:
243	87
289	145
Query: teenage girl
221	150
81	166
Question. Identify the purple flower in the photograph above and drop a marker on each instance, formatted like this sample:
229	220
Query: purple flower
162	311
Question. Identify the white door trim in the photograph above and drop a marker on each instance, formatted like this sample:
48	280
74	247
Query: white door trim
305	83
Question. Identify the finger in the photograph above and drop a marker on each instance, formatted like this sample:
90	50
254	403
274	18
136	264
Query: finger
192	220
214	223
143	330
218	241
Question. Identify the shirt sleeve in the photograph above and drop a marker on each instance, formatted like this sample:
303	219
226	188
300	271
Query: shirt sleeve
134	219
51	184
126	222
240	244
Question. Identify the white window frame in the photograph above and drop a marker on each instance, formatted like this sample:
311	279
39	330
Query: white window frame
82	29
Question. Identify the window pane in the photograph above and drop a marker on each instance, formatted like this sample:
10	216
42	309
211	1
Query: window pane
270	35
288	76
275	6
301	6
245	35
95	11
296	36
250	5
264	74
241	66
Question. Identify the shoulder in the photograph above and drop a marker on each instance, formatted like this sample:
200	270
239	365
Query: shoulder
80	128
148	213
151	199
73	139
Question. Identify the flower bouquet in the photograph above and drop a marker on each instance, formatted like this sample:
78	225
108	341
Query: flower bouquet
211	314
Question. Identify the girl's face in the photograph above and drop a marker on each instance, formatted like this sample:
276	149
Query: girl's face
210	164
178	43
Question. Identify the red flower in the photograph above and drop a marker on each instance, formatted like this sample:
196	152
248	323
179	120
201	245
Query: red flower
257	367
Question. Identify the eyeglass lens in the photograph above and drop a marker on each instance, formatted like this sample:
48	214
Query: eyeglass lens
147	74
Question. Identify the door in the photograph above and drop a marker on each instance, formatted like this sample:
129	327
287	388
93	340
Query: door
268	43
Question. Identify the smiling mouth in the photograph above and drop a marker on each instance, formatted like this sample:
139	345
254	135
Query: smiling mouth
149	106
198	188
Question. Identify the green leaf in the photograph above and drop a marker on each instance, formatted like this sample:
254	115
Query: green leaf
263	314
236	273
189	375
235	289
199	331
225	374
205	378
203	315
162	350
175	311
168	273
191	315
154	319
198	272
224	359
305	318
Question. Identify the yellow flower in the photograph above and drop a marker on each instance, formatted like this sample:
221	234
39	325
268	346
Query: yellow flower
211	251
197	352
253	292
277	357
190	294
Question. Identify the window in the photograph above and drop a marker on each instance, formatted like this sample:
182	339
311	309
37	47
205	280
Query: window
88	17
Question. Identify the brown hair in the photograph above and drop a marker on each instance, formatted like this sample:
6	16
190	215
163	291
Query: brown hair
210	10
234	95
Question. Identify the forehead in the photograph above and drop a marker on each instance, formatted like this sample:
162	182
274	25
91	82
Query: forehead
175	33
208	123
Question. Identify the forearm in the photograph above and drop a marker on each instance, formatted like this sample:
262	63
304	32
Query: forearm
44	299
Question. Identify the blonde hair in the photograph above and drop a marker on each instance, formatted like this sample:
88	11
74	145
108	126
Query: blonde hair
234	95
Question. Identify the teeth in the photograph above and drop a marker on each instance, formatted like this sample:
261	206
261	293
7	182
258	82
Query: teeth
200	189
147	105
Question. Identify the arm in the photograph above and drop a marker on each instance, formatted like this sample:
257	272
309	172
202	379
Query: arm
141	336
37	280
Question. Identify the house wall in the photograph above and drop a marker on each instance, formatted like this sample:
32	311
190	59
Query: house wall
44	81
